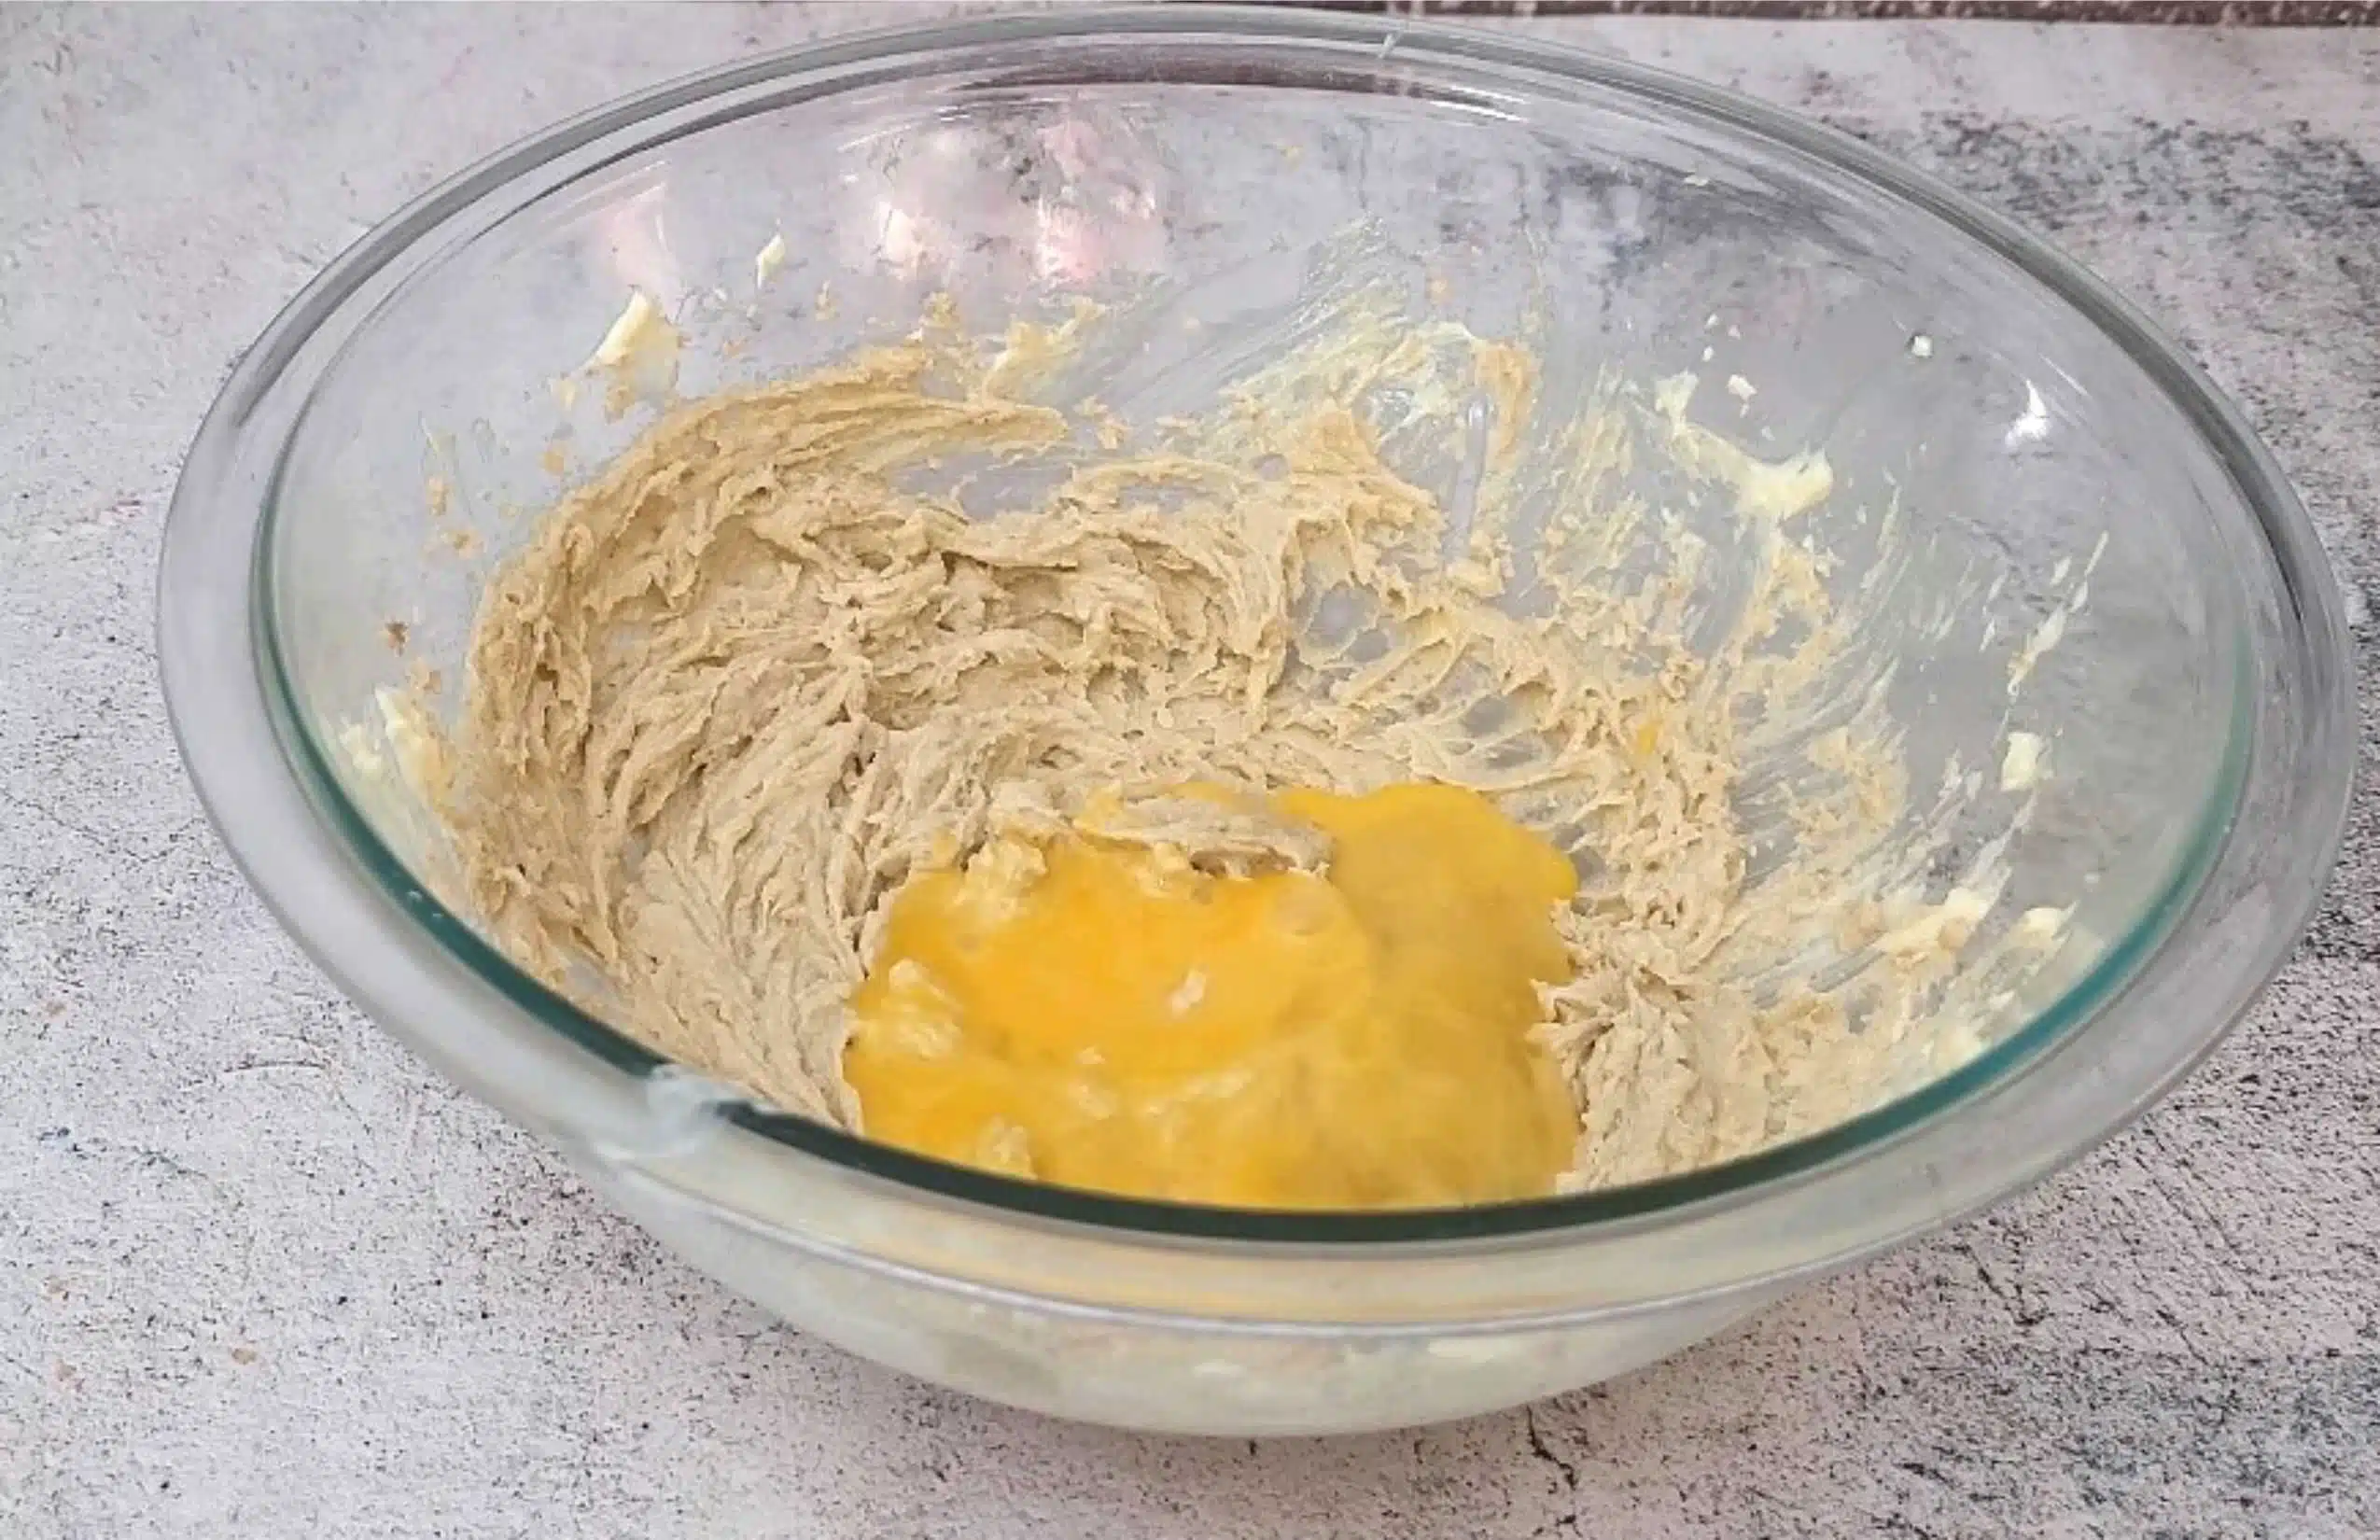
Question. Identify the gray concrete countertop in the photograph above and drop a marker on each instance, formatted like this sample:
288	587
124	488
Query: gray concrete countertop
263	1274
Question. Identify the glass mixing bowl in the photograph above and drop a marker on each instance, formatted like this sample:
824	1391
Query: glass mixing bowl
2030	427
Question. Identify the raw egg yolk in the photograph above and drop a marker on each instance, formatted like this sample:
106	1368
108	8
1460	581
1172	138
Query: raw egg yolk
1102	1014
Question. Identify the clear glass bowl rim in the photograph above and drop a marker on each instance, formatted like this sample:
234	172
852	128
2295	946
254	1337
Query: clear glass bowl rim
2301	568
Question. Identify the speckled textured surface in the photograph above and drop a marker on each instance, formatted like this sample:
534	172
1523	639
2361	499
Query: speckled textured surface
262	1275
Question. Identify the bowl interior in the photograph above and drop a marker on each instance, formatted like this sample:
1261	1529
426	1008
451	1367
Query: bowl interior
2023	536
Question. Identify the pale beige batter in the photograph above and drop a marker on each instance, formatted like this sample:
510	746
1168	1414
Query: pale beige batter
751	677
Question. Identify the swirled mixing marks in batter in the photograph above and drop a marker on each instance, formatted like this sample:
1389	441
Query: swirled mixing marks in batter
758	674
